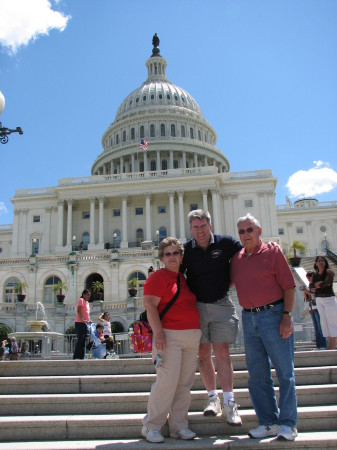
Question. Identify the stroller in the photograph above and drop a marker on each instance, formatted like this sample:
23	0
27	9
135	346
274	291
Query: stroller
97	349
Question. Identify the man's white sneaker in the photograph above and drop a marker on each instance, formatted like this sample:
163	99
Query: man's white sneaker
214	406
184	434
152	436
230	411
263	431
286	433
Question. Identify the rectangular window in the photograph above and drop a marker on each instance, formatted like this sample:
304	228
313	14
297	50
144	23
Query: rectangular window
299	230
86	215
116	212
280	231
248	203
193	206
161	209
139	211
36	219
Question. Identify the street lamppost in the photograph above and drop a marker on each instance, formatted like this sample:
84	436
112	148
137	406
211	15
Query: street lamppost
114	239
74	239
4	132
157	235
34	249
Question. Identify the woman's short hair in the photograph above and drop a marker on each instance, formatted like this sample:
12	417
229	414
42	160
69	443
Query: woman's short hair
86	291
166	243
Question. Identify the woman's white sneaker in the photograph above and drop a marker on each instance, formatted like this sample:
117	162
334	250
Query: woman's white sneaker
263	431
152	436
286	433
230	411
184	434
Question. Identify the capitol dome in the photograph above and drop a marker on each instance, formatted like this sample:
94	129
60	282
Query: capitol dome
170	121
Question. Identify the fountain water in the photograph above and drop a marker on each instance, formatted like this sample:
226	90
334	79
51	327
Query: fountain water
36	335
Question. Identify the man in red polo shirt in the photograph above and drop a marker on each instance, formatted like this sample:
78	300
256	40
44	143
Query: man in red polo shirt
265	287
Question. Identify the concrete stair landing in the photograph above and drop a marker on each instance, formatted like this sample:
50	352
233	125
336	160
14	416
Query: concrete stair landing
99	404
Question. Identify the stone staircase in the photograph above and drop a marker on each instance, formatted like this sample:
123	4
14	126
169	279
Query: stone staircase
99	404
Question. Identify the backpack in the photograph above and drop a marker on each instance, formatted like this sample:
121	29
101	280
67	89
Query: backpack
141	339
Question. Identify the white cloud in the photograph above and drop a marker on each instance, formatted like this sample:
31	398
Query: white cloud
24	20
3	209
317	180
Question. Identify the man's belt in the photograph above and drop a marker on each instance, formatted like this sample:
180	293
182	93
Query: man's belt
264	307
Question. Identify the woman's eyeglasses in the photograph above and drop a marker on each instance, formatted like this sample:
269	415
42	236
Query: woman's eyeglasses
168	254
248	230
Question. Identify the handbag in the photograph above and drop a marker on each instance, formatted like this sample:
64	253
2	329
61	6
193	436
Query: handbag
141	338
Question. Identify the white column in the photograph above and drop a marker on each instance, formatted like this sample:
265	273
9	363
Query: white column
228	213
124	242
133	169
101	223
145	160
121	164
182	237
195	160
92	220
215	210
158	160
16	231
69	223
112	167
60	223
204	199
172	215
171	159
148	216
262	206
310	240
184	160
104	169
46	234
205	161
235	209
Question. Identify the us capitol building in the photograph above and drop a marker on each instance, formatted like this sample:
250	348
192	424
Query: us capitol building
106	227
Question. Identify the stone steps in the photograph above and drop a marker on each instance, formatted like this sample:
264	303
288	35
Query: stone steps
100	404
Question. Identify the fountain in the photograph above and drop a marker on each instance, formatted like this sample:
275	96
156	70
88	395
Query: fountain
47	340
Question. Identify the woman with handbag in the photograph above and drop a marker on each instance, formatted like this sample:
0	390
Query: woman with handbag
322	283
176	336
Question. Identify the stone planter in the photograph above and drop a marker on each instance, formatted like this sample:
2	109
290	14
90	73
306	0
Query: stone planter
60	298
21	297
295	261
133	292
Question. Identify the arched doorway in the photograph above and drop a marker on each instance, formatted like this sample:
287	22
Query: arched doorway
90	282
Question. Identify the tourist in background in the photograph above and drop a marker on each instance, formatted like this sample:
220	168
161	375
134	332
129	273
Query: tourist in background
81	321
266	292
176	340
104	318
322	283
309	297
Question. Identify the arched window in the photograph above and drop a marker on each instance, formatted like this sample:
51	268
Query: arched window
85	240
139	235
132	133
153	165
162	129
141	277
117	139
183	131
173	130
141	166
191	133
142	131
10	295
162	233
124	136
152	130
49	296
164	164
175	164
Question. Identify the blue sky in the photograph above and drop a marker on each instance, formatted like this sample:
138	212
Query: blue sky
264	73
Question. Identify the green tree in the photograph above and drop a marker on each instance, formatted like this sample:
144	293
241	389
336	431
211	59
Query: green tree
5	330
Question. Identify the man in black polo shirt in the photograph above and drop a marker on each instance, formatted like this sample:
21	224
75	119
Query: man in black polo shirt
206	265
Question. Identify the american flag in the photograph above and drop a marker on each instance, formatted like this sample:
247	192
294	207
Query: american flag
143	144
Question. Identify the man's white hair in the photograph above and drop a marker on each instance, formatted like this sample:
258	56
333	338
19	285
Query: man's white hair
250	218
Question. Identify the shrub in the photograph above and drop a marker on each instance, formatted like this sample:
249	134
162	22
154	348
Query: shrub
5	330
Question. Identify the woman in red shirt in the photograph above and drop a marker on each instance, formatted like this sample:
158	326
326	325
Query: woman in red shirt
81	321
176	340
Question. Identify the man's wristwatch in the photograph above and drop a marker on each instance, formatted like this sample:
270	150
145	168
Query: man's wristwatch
288	313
